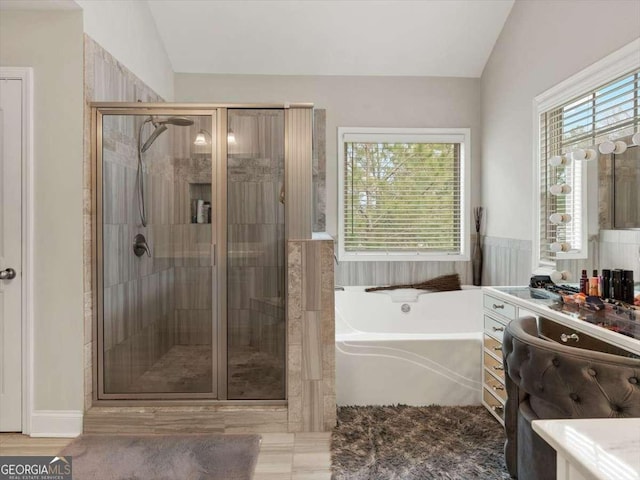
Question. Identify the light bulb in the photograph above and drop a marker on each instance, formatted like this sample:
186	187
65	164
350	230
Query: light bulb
560	247
200	139
558	160
607	147
557	276
558	218
231	137
560	189
621	147
583	154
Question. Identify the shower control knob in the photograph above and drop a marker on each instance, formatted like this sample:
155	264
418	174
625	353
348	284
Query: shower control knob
7	274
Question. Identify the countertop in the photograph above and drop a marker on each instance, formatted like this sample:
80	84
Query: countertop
599	448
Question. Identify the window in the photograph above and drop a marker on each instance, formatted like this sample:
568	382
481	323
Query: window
607	112
403	194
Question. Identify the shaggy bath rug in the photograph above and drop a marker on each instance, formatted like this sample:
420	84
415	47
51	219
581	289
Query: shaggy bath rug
411	443
163	457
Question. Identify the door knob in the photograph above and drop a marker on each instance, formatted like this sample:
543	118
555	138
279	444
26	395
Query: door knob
7	274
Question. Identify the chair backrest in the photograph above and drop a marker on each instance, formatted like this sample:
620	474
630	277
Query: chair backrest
569	382
546	380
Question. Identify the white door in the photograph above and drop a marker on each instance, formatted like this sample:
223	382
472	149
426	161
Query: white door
10	255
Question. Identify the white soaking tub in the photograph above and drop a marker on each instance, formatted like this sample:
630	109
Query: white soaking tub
408	347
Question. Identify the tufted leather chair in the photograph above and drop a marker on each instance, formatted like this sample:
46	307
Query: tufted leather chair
546	380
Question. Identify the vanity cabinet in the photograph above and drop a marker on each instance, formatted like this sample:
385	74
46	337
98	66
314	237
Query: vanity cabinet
497	314
503	304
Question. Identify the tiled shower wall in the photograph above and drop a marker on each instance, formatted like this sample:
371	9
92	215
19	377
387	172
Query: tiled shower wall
311	336
138	329
255	218
105	79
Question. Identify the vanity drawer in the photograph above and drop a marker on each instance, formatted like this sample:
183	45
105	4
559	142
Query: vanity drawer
493	403
494	327
493	345
500	307
494	366
573	338
496	386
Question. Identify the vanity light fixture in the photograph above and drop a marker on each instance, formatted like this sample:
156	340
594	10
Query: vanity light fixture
562	276
201	139
560	189
560	247
558	218
584	154
558	160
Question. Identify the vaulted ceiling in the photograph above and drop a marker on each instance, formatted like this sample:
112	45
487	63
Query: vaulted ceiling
329	37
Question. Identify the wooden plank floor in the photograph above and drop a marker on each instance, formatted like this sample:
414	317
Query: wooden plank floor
283	456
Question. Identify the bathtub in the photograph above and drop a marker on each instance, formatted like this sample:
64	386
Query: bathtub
408	347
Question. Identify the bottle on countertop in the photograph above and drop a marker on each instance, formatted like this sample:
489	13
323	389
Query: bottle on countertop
616	284
606	283
584	283
627	286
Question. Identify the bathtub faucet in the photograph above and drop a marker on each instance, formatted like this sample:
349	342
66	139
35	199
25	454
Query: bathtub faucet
338	288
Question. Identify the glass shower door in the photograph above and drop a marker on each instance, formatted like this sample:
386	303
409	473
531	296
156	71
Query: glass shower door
157	330
256	331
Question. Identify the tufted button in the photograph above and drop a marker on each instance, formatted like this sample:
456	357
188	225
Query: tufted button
574	397
591	372
555	361
540	387
616	408
633	380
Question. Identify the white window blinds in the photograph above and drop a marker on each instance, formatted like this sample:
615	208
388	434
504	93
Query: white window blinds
608	112
402	195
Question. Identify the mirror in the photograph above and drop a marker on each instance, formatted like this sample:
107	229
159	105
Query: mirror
613	212
619	190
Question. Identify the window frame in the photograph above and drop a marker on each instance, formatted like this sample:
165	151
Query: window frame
406	135
597	75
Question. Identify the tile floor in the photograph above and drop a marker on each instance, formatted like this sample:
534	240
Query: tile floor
283	456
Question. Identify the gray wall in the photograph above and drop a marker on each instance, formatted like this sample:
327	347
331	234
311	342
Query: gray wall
540	45
51	43
360	101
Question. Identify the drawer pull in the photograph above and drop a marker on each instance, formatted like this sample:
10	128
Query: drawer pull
498	307
497	409
498	348
497	387
498	367
565	338
498	329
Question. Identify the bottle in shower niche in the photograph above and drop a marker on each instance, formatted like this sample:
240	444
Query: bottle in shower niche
200	212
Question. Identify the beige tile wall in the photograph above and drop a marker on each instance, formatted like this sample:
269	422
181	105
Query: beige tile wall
311	336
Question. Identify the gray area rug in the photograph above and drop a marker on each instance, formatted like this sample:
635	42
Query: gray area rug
163	457
401	442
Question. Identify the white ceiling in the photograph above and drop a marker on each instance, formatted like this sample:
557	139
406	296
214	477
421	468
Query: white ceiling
38	5
330	37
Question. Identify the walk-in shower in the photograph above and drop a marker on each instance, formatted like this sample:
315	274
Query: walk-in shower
190	252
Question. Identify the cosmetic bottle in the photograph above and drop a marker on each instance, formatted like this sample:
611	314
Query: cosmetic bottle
606	284
584	283
627	286
200	215
616	284
593	286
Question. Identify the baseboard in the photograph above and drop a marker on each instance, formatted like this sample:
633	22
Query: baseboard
56	423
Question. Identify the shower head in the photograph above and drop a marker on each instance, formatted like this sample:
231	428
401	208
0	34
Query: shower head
161	126
152	138
179	121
